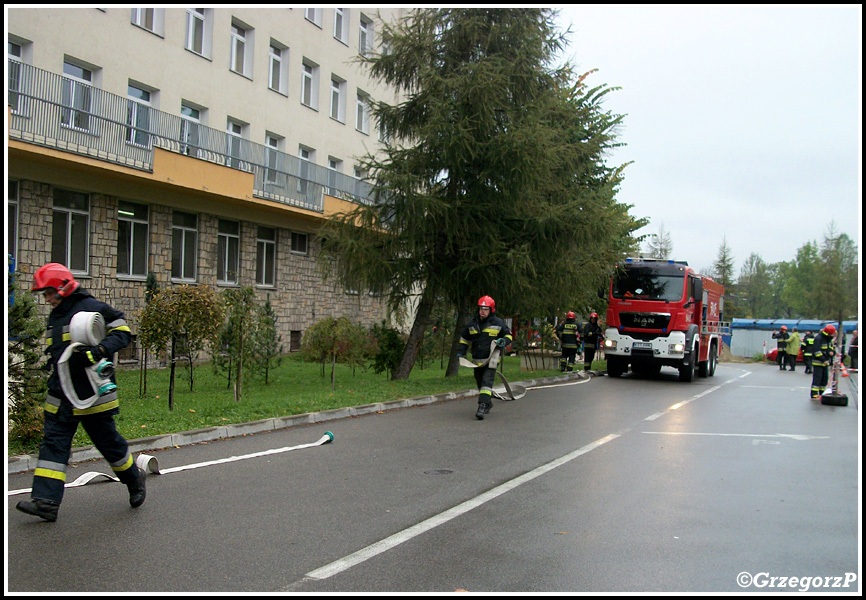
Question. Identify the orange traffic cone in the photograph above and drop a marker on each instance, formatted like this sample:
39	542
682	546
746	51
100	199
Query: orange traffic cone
844	370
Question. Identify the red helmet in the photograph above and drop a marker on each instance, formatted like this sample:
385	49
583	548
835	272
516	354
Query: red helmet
829	329
54	275
784	328
570	314
488	302
591	315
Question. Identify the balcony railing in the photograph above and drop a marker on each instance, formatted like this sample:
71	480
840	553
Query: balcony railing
58	112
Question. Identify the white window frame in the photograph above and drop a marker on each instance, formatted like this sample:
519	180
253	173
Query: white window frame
198	23
238	39
189	129
335	167
273	145
278	67
314	16
341	25
338	99
138	116
235	134
149	19
365	35
77	222
310	84
266	257
307	158
16	80
139	228
77	97
188	237
362	112
228	252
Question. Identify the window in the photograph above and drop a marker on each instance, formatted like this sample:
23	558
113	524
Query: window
299	243
307	155
70	230
278	68
242	48
338	99
362	113
137	115
234	144
341	24
272	155
266	252
16	102
313	15
196	29
132	239
77	95
335	167
228	254
151	19
12	219
189	124
365	36
310	85
184	246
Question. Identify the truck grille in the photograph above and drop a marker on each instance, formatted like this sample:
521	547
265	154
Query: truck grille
636	320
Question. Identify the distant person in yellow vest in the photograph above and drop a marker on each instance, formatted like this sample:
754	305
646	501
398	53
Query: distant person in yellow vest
792	349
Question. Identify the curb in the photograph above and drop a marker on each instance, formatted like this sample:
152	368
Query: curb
27	462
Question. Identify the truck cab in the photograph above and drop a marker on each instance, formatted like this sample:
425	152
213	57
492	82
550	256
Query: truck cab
663	313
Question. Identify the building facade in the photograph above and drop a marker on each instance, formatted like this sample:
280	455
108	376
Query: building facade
205	145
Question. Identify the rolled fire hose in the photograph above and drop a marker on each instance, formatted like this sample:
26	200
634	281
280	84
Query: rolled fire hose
491	362
149	464
85	329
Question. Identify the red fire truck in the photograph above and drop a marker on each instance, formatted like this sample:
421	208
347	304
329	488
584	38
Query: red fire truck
663	313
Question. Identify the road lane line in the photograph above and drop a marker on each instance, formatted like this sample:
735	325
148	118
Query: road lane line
392	541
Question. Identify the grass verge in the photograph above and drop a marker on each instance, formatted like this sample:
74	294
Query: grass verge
296	387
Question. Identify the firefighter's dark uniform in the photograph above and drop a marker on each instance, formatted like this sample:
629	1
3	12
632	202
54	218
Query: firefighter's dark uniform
477	336
568	333
62	419
781	338
822	358
592	335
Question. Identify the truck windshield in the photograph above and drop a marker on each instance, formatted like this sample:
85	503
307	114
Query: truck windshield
640	283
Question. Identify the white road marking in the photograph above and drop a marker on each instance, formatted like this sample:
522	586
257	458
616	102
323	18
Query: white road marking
386	544
793	436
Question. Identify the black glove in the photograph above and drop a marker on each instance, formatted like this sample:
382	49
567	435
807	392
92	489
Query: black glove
86	356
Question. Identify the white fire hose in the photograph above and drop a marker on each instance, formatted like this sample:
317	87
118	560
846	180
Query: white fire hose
86	329
492	362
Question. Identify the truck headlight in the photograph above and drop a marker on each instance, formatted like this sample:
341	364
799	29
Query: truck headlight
610	344
677	348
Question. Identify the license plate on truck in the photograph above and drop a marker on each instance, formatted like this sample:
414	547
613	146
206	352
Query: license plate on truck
642	346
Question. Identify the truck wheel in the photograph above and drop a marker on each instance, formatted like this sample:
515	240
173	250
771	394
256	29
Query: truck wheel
713	360
687	372
614	367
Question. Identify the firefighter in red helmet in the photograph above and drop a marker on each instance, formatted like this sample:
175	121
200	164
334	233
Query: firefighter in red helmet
568	334
72	379
592	336
823	352
484	328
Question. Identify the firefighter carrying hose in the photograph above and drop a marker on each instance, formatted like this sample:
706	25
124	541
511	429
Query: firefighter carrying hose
568	334
482	329
67	299
822	357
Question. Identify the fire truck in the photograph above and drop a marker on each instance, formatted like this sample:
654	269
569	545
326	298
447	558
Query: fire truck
663	313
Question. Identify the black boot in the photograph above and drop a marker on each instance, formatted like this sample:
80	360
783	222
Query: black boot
37	507
483	409
137	491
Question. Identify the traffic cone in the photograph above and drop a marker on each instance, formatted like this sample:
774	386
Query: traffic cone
844	370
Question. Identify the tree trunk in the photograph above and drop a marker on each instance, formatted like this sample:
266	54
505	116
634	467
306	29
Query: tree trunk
463	317
416	336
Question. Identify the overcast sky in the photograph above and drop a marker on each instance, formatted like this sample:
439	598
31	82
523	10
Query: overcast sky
742	122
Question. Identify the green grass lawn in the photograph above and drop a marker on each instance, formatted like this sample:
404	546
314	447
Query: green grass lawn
296	387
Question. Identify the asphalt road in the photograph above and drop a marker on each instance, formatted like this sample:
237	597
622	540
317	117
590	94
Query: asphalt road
735	483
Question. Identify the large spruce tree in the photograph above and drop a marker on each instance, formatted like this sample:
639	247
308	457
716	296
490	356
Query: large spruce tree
492	178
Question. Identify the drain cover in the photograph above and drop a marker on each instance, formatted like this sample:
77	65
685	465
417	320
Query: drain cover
438	472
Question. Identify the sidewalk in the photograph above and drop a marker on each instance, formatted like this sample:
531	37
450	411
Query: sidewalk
27	462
